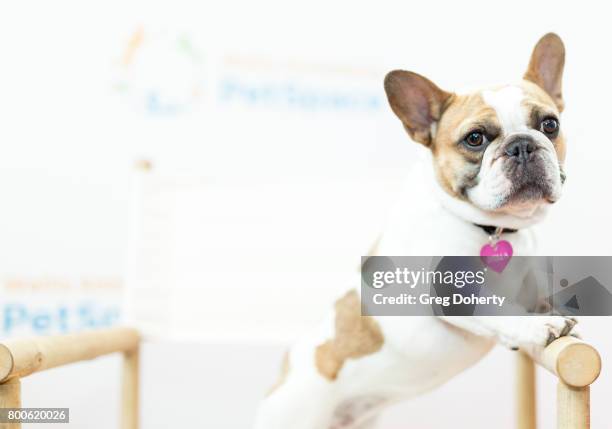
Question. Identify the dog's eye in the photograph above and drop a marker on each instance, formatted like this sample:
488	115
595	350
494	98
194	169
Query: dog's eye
475	139
549	126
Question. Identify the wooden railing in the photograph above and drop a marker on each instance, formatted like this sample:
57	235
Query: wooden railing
576	364
20	358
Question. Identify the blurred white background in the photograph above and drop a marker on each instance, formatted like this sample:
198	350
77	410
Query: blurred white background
264	93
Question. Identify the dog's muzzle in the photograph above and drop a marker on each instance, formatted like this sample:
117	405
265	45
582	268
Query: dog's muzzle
520	148
531	167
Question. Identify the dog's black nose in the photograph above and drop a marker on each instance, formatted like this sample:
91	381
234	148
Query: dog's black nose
521	148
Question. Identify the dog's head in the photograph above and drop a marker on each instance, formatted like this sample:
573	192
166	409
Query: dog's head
499	149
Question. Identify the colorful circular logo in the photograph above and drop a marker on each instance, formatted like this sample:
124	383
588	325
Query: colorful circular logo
160	73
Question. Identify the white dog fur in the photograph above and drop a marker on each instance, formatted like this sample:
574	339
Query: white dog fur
421	353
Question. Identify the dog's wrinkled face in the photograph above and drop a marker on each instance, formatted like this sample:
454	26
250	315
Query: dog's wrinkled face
501	149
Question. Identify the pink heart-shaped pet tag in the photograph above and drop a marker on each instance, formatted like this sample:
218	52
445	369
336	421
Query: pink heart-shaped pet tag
496	256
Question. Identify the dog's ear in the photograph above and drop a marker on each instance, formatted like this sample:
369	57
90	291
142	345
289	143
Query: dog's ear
546	67
417	101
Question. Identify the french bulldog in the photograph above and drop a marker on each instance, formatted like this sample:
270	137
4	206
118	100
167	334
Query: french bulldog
495	161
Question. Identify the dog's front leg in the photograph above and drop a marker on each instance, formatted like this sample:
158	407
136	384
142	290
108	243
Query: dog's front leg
517	332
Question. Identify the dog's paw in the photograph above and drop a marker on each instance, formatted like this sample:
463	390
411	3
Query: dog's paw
540	331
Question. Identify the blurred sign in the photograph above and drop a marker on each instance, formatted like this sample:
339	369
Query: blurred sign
288	145
165	73
45	305
245	261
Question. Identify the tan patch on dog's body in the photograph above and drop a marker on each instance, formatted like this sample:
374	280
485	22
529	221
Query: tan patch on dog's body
355	336
283	374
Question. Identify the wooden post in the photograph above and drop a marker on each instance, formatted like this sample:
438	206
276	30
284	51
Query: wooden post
525	392
20	358
573	407
10	397
575	362
130	388
577	365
